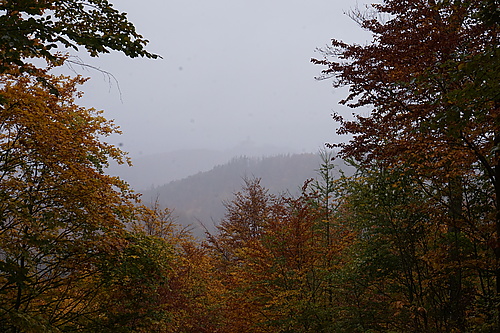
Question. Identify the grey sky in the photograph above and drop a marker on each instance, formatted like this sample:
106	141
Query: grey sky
232	71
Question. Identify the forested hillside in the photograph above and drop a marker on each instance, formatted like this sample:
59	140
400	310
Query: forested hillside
199	199
161	168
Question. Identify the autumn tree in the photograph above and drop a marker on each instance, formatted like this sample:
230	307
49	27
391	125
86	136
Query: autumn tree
59	212
63	221
185	293
240	230
430	79
277	279
76	251
132	283
397	278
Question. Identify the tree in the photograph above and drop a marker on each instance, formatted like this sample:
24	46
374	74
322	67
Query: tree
185	292
239	232
59	213
62	219
431	77
278	279
38	29
133	282
400	267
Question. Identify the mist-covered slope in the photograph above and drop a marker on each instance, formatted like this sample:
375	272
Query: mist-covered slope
198	199
161	168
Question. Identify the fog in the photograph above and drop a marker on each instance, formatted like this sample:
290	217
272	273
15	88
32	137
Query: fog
233	72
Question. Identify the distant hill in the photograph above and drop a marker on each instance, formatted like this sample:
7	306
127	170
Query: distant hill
199	198
158	169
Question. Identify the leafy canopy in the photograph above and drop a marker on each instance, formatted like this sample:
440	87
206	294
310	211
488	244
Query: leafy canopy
42	28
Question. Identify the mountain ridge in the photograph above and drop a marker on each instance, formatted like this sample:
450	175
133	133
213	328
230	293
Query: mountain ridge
154	170
199	199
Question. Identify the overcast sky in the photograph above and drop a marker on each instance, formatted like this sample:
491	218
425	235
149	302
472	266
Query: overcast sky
232	71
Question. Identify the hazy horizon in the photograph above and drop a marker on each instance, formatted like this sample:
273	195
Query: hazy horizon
232	72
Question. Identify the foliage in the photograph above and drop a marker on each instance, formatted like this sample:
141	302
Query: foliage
76	252
59	212
188	293
37	29
67	260
273	259
134	280
430	76
410	243
407	261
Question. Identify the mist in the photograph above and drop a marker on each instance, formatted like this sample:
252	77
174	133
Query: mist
233	74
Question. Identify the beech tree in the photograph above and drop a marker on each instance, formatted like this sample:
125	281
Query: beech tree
59	212
278	277
430	77
63	238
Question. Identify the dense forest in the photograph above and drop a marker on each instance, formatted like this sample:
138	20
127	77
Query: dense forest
409	243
